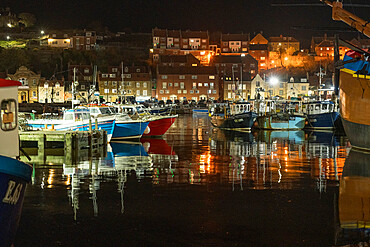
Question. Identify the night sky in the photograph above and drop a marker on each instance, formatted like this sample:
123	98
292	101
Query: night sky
228	16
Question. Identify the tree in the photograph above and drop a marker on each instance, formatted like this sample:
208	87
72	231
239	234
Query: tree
11	59
27	19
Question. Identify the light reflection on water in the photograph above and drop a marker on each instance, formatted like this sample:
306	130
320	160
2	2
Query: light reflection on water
194	158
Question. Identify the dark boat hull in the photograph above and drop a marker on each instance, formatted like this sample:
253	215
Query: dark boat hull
322	121
358	134
14	175
238	121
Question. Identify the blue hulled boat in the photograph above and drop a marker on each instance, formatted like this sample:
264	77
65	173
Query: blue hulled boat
14	174
118	126
123	127
321	115
128	129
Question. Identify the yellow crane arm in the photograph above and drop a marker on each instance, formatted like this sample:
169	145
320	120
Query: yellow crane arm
339	14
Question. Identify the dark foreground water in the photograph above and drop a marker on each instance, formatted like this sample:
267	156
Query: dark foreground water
200	186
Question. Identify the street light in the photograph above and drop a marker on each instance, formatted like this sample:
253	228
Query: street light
274	81
42	32
46	86
8	37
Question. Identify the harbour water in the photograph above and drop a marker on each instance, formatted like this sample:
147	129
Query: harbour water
200	186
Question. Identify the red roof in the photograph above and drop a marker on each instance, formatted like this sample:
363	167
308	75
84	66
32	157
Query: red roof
9	83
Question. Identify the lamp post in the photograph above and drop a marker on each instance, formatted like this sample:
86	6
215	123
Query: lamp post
46	87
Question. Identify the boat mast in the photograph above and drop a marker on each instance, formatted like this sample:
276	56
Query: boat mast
73	87
122	91
94	81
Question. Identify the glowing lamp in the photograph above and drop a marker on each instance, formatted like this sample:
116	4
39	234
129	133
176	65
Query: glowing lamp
274	80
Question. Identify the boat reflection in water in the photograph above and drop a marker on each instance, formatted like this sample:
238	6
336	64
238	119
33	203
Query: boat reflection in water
354	200
121	159
214	187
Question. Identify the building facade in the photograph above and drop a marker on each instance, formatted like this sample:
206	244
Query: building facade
51	91
28	92
283	43
187	83
234	43
127	81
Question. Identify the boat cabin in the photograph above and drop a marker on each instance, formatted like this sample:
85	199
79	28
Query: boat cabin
97	111
134	109
319	107
76	114
9	118
240	108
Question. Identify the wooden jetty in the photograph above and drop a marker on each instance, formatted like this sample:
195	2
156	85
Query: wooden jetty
75	143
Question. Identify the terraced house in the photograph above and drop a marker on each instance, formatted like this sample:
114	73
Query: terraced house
126	81
187	83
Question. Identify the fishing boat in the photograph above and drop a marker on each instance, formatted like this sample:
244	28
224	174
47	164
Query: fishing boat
158	124
157	109
237	116
353	80
284	117
14	174
124	127
79	119
321	115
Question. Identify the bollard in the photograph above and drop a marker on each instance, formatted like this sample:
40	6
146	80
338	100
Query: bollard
90	125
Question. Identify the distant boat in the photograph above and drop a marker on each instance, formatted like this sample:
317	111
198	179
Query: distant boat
237	116
200	111
14	174
321	115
